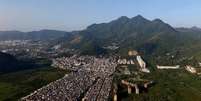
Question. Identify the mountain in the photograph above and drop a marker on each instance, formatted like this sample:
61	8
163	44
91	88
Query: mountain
11	35
196	28
192	29
137	33
42	35
151	38
46	34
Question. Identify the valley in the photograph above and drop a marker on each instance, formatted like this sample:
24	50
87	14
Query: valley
122	60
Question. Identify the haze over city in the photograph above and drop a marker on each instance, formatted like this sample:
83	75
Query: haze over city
69	15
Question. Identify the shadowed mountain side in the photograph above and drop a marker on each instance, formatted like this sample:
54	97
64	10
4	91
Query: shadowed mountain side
9	63
148	37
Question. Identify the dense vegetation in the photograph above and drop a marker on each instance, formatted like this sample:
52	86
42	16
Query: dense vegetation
19	77
18	84
169	85
151	38
9	63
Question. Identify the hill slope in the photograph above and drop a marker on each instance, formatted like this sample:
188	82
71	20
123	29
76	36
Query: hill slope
34	35
148	37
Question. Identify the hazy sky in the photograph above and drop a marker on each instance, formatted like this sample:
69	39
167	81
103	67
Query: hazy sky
27	15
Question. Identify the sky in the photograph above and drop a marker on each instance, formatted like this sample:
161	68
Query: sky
69	15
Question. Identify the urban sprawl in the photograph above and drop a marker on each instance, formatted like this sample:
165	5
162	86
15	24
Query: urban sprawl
90	79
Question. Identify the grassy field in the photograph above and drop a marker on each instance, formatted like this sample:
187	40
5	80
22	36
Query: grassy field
171	85
18	84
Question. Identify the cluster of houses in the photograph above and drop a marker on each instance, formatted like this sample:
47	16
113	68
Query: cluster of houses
91	79
89	63
68	88
139	60
125	62
100	91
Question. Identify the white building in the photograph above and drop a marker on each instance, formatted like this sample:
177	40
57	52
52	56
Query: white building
190	69
142	64
125	62
200	63
145	70
168	67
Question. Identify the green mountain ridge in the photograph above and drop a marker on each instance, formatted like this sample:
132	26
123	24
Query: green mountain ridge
42	35
151	38
146	36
